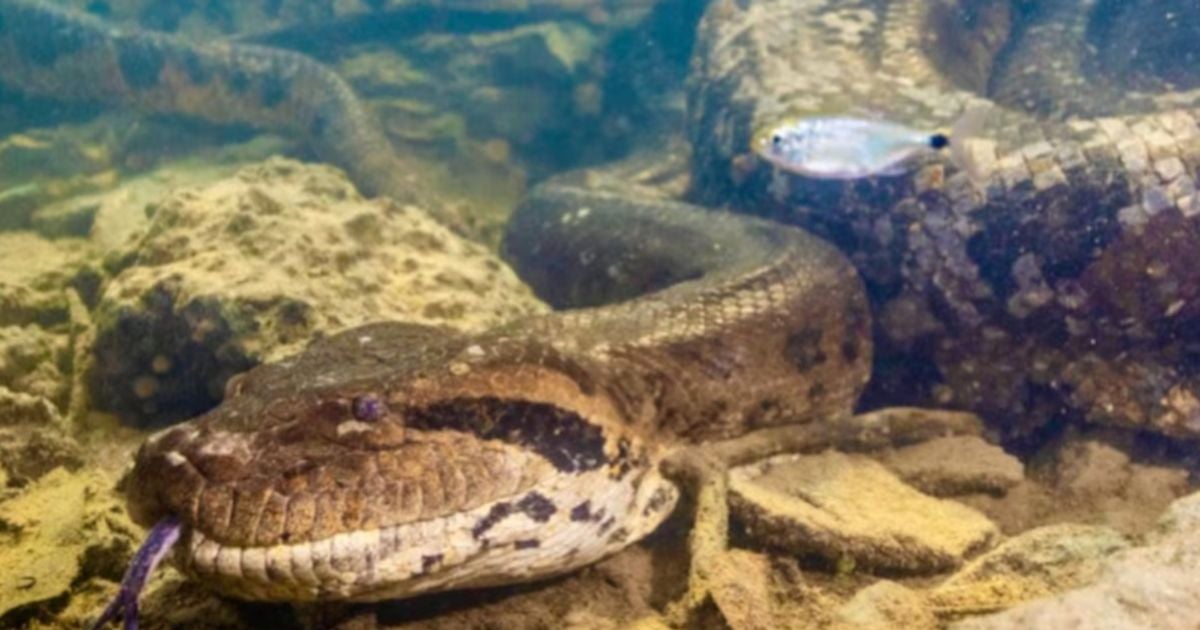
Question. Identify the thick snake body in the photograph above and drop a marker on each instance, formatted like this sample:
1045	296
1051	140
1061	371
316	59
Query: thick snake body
1059	283
394	460
527	451
71	56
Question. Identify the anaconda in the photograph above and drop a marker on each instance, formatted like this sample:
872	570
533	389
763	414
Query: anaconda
394	460
48	51
1059	288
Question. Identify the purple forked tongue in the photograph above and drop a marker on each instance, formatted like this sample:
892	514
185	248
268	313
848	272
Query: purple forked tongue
125	604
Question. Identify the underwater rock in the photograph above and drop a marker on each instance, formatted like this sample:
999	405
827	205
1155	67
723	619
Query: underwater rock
21	305
33	438
955	465
741	591
850	509
1153	586
51	178
59	220
34	361
1038	563
17	408
17	205
41	154
518	85
1090	479
58	533
121	212
1136	390
382	71
254	266
1094	473
885	605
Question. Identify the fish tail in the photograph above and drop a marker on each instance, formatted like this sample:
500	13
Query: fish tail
968	125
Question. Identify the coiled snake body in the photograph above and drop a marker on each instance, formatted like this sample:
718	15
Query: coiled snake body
396	459
393	460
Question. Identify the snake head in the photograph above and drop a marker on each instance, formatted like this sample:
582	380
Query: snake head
393	459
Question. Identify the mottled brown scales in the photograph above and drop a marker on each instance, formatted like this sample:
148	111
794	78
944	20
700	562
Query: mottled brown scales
540	436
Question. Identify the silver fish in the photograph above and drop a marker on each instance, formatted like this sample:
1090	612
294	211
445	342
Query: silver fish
850	148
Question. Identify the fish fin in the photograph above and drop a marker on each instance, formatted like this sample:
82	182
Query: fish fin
968	126
894	170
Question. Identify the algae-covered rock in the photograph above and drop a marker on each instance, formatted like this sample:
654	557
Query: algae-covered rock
34	361
62	530
20	305
522	84
956	465
40	154
33	438
254	266
1091	472
885	605
17	205
33	271
1038	563
65	219
742	591
1153	586
851	509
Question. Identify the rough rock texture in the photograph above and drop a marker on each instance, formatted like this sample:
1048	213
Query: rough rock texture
1083	479
1040	562
853	510
48	172
33	439
742	592
40	165
1154	586
57	534
33	361
36	369
956	465
253	267
885	605
119	212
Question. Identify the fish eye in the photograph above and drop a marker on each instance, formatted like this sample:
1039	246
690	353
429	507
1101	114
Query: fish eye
776	139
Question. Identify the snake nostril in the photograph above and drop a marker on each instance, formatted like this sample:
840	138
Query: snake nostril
367	408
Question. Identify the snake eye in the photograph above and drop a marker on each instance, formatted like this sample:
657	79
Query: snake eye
367	408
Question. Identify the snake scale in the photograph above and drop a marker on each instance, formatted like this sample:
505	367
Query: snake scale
394	460
1057	288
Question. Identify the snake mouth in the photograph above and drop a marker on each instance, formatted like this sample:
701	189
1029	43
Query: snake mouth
565	522
474	491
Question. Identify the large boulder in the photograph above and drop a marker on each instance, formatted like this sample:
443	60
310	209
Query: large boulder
253	267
